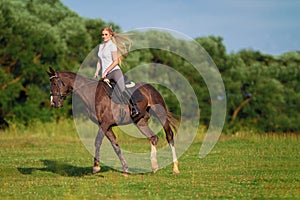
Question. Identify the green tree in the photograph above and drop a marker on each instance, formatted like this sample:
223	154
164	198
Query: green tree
39	35
216	50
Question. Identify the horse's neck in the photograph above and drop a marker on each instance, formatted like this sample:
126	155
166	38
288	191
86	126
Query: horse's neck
68	78
75	82
84	88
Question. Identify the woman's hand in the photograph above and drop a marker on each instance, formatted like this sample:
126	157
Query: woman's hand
104	74
96	75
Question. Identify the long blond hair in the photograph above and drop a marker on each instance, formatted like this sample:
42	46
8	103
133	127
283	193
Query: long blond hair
122	42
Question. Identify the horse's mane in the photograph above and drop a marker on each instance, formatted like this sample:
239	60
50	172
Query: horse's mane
74	75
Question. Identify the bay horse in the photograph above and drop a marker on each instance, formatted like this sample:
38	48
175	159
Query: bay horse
103	111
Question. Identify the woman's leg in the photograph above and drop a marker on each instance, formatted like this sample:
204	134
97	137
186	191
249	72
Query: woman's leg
117	76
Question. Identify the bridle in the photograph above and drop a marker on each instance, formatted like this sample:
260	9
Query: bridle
60	82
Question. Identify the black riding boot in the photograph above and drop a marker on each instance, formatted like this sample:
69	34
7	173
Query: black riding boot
134	110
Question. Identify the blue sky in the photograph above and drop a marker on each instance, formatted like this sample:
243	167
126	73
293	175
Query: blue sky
270	26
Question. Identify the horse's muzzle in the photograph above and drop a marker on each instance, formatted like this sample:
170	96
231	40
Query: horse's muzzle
56	103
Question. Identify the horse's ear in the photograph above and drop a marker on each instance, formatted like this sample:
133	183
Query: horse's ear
49	74
52	70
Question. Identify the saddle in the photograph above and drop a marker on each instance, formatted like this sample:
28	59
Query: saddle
116	95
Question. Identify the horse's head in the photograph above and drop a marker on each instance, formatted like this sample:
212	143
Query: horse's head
58	89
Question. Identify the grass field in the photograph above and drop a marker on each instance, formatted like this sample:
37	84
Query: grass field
49	162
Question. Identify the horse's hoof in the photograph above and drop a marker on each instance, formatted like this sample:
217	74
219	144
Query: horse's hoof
96	169
175	168
154	164
154	170
125	174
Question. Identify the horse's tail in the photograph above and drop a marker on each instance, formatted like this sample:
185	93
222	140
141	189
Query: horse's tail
170	126
172	121
166	118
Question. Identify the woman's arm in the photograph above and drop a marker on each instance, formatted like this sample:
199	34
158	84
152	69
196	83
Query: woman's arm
97	69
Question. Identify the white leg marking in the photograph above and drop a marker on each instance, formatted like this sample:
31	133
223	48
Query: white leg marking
175	161
174	153
153	158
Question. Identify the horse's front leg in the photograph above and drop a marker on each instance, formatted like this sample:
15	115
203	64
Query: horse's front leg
98	142
113	140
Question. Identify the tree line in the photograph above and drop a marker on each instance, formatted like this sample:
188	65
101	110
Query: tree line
262	90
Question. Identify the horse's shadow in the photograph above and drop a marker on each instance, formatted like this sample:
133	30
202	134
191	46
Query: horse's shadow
62	169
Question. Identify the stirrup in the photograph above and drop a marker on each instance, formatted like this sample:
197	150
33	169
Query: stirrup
134	111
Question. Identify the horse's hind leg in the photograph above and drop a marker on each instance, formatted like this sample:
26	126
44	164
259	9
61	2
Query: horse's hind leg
175	161
144	128
113	140
170	139
164	119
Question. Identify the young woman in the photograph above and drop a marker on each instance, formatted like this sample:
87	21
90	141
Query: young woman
109	58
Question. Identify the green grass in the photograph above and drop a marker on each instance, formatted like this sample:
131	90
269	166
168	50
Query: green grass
50	162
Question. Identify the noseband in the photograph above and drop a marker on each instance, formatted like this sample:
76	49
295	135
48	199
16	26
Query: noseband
61	95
